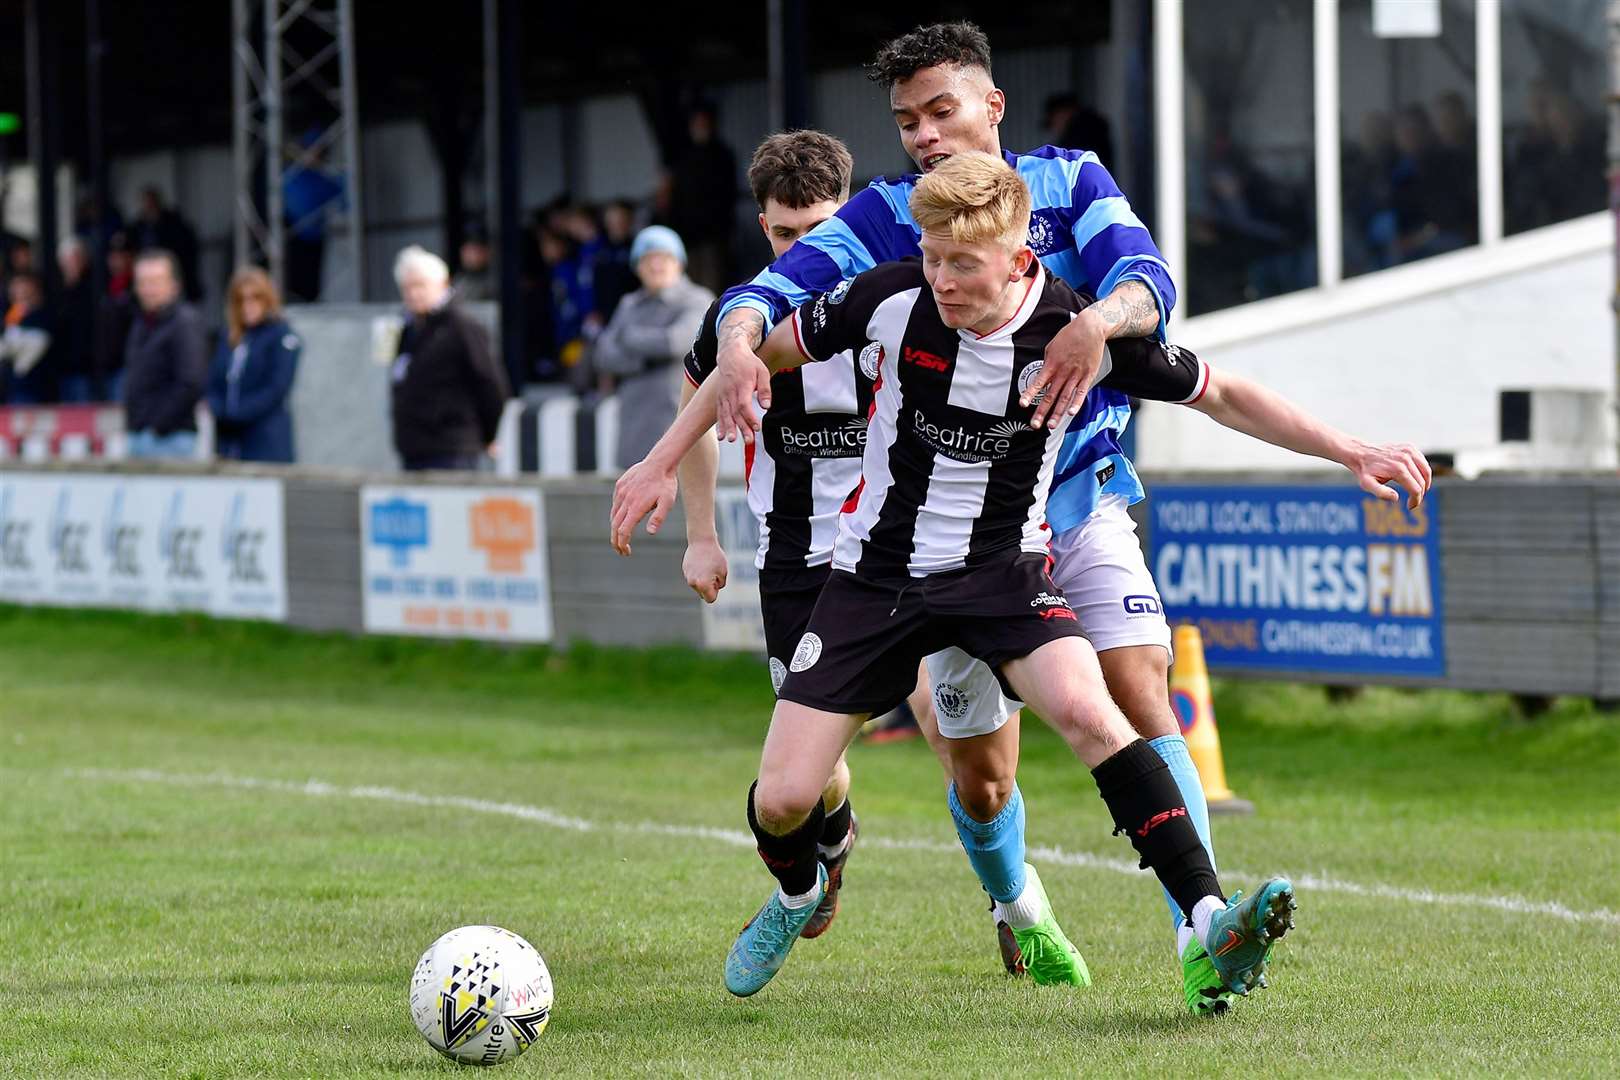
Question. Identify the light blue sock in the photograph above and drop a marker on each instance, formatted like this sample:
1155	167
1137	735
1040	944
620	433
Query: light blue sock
995	848
1173	748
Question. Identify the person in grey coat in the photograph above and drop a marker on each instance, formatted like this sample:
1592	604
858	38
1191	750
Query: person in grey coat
651	330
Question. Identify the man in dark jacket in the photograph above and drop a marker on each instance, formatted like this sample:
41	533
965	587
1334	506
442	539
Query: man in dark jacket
165	363
448	390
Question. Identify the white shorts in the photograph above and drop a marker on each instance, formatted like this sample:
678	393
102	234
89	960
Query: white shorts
1099	566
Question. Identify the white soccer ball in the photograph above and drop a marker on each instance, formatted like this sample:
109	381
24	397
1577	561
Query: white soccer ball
481	995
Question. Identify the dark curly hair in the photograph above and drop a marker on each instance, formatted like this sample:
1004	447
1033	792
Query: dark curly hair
800	168
961	43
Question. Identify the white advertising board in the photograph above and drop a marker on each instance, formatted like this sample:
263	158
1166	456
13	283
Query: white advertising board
455	562
210	544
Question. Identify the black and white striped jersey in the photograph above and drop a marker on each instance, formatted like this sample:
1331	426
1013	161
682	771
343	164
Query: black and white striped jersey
953	475
807	458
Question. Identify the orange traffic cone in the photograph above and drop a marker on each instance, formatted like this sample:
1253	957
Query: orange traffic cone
1189	695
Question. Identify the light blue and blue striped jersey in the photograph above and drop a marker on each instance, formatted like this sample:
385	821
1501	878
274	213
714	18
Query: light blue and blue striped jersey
1082	229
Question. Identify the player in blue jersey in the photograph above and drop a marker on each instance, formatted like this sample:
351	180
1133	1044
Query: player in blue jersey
908	526
1082	228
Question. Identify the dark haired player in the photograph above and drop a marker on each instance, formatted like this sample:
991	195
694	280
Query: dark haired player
1082	229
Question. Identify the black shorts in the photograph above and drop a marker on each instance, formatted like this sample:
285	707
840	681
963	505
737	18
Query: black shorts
865	639
786	599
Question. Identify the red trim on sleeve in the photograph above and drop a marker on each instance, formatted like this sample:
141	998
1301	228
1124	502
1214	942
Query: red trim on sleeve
798	337
695	384
1203	383
853	503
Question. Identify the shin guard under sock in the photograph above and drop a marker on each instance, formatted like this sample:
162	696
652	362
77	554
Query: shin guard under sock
791	859
1147	806
995	848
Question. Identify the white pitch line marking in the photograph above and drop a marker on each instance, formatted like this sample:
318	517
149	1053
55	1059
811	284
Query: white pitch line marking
539	815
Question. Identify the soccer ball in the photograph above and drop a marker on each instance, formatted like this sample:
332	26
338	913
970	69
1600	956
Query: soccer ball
481	995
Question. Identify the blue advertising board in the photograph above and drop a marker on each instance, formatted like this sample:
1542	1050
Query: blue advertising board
1300	578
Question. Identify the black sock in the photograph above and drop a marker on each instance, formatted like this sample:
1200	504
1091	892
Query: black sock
836	825
791	859
1148	807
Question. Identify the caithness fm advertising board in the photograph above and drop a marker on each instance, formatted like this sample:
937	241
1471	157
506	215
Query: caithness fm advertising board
1298	578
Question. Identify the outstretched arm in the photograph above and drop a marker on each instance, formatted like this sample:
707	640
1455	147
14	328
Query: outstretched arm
704	564
650	485
1244	405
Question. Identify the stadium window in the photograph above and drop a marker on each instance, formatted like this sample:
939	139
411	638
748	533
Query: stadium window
1250	153
1553	74
1513	416
1409	159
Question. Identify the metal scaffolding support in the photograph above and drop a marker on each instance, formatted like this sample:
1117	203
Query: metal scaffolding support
293	70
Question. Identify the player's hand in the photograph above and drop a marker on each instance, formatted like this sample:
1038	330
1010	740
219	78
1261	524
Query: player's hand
1072	361
1403	463
705	568
743	375
641	489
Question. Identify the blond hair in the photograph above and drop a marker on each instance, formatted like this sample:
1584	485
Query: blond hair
249	280
975	198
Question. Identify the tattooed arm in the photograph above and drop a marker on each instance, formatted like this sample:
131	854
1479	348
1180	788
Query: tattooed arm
741	373
1129	311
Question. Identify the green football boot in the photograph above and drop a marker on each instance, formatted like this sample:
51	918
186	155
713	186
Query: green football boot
1206	994
1045	951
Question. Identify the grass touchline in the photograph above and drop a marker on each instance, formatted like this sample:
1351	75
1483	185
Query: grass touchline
542	816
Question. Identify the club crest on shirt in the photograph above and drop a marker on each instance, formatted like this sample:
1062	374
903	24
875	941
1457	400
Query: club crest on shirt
1040	235
840	291
871	359
1027	377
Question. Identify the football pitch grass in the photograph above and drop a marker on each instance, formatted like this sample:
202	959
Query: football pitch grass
223	847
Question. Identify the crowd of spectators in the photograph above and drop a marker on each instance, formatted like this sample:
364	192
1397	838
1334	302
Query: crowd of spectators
72	348
141	343
578	266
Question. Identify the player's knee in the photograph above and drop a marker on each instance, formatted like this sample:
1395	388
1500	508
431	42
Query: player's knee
982	796
1087	720
782	802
